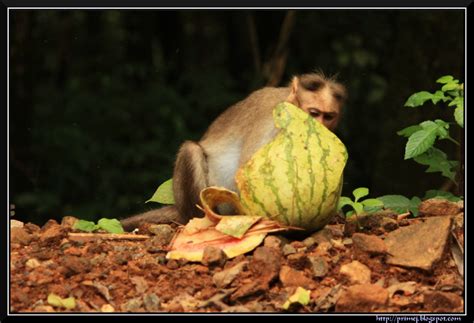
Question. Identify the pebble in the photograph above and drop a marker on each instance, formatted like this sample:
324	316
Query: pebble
357	272
273	242
439	207
292	277
319	266
152	302
213	256
288	249
362	298
226	277
369	243
20	236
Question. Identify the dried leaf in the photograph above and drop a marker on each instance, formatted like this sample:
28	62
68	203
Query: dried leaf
55	300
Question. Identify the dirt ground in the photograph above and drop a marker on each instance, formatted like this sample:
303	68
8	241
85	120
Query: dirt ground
346	267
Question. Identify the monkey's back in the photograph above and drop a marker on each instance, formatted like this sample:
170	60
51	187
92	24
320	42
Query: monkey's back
239	132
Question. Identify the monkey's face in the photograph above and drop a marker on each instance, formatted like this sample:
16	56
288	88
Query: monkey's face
322	105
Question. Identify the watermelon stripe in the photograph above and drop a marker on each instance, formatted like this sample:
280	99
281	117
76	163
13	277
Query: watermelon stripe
252	193
267	170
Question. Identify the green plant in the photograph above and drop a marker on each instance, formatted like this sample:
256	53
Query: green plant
366	206
109	225
422	137
164	193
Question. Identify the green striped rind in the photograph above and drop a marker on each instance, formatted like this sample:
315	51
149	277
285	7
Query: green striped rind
296	178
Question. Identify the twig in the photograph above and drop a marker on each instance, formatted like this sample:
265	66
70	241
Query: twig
106	236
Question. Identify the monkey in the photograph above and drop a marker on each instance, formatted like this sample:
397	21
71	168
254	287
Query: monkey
232	139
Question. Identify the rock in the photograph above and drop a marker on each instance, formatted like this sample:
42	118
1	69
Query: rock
335	230
68	221
248	289
16	224
309	242
323	235
408	288
140	283
52	233
389	224
288	249
363	298
32	263
107	308
369	243
20	236
224	278
31	227
323	248
442	302
357	272
75	265
298	261
132	305
151	302
164	232
439	207
319	266
273	242
293	277
265	263
213	256
418	245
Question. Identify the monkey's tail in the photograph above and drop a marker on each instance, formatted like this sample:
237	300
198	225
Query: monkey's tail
164	215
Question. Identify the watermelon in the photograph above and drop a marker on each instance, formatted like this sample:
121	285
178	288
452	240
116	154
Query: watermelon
296	179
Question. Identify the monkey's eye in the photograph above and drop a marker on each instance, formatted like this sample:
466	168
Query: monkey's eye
328	117
314	113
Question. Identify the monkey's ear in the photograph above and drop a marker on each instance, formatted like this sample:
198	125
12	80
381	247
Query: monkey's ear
293	97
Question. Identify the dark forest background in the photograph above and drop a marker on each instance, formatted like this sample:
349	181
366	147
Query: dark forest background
100	100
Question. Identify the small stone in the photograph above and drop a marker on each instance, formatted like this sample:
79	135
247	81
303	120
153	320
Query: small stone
32	263
140	283
49	223
389	224
107	308
293	277
20	236
298	261
152	302
288	249
309	242
265	263
357	272
323	235
363	298
368	243
443	302
164	232
132	305
68	221
213	256
52	233
319	266
32	228
16	224
439	207
76	265
226	277
273	242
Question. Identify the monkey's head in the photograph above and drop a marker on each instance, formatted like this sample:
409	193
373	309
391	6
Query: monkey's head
319	96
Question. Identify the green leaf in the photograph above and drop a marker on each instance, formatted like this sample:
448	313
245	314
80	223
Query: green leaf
110	225
360	192
84	225
420	141
439	95
450	86
343	201
418	99
444	79
414	205
397	203
301	296
459	116
372	205
164	193
372	202
437	161
441	194
350	213
408	131
358	208
55	300
457	101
